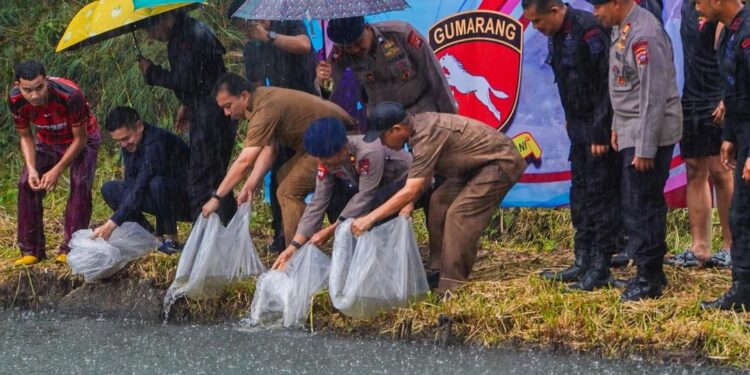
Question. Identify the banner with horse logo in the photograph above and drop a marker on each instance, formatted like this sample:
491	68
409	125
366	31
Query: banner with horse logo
495	63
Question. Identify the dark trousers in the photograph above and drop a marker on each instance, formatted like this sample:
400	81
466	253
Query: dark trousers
739	221
594	199
283	155
78	209
644	209
212	136
166	199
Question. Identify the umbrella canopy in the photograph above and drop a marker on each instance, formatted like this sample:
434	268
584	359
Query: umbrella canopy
154	3
314	9
106	19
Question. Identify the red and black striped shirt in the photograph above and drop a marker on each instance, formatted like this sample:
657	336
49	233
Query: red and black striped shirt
66	108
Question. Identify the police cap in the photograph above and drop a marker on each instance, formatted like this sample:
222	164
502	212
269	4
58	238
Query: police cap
325	137
346	30
383	116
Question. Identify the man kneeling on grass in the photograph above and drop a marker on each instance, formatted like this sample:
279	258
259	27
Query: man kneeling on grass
479	164
354	177
155	173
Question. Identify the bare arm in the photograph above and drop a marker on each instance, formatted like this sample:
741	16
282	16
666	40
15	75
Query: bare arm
409	193
239	169
296	45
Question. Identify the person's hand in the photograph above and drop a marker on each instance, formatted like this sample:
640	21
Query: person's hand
613	141
245	195
34	181
599	150
144	64
719	113
210	207
323	71
104	230
181	121
361	225
746	171
256	31
407	210
284	257
49	179
643	164
320	238
728	155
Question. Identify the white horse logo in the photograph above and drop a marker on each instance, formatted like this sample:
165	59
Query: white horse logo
466	83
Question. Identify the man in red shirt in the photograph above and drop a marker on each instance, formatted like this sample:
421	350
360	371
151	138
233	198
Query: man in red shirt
67	135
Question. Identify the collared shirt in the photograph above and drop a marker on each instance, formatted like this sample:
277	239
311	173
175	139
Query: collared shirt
160	153
66	108
579	57
371	167
401	67
643	85
284	115
450	145
195	59
702	90
272	66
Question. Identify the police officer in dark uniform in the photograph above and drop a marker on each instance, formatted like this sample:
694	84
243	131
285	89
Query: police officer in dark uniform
579	57
654	6
734	61
196	63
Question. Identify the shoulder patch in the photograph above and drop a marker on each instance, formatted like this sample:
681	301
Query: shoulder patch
322	171
364	167
594	41
745	43
415	40
640	49
736	24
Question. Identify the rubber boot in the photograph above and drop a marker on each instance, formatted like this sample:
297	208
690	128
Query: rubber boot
597	276
622	259
737	298
648	283
572	273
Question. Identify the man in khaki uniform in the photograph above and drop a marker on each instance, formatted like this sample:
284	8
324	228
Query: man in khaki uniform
479	165
353	178
646	125
275	115
391	60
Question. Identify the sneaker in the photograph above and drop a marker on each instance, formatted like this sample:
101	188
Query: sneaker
170	247
721	259
683	259
26	260
62	258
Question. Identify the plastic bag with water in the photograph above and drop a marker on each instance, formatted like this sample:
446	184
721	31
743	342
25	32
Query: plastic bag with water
98	259
283	297
213	256
382	269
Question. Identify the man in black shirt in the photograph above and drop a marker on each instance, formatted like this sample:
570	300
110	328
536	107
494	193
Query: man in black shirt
278	53
703	116
196	63
156	167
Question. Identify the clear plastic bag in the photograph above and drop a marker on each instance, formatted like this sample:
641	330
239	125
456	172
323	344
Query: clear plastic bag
382	269
213	256
98	259
283	297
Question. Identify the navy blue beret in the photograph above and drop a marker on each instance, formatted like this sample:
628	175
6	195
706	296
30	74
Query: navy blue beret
382	117
345	30
597	2
325	137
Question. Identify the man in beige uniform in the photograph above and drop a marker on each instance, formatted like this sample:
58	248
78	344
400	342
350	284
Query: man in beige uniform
353	178
274	115
391	60
479	165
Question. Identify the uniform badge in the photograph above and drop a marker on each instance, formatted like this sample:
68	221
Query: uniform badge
364	167
640	49
322	171
745	44
594	41
621	80
390	49
415	40
736	24
623	37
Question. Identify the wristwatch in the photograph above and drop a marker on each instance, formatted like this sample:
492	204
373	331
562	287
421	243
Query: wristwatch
272	36
296	244
216	195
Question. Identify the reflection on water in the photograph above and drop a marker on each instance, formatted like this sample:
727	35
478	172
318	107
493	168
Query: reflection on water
41	342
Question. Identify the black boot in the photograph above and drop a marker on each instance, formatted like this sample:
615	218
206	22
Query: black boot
597	276
648	283
622	259
737	298
572	273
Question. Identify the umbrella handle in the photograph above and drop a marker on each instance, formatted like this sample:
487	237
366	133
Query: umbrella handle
137	47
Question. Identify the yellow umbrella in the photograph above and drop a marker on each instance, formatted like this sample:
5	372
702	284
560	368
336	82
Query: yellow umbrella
104	19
